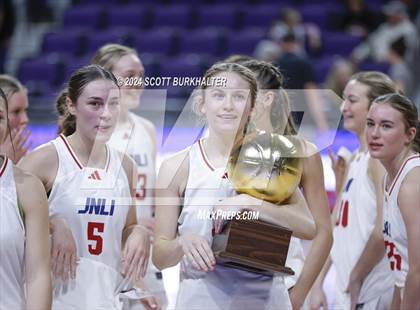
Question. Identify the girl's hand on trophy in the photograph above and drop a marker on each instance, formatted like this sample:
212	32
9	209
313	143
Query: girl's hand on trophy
198	251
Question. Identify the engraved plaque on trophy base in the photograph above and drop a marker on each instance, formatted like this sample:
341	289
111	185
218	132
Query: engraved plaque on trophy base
254	246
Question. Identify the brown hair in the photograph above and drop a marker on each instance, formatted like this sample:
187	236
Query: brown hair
108	55
68	125
408	111
76	85
379	84
270	78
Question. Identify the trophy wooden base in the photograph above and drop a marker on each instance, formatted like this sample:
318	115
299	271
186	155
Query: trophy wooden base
254	246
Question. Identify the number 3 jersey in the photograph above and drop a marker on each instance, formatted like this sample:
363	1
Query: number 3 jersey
137	143
395	234
354	224
94	202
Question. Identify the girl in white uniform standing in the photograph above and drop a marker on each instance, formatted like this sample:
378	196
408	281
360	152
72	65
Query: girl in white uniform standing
136	137
25	281
363	278
92	186
272	115
194	182
393	137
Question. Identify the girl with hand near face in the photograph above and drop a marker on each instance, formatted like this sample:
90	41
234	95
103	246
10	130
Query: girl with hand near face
15	146
193	182
393	138
91	198
25	281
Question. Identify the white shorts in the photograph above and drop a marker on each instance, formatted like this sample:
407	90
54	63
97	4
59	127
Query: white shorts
383	302
342	300
97	286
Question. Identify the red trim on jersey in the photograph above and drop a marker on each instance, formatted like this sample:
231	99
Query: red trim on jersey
203	154
71	151
108	158
400	171
3	168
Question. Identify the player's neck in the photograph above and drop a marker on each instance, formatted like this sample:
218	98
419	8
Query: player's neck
90	154
218	149
393	165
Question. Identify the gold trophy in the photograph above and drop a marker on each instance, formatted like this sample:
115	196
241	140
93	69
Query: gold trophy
266	166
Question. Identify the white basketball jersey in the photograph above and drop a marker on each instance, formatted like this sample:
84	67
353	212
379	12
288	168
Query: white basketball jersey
95	202
225	287
137	143
395	234
295	260
354	224
12	242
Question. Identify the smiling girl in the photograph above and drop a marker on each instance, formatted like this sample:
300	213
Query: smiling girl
194	180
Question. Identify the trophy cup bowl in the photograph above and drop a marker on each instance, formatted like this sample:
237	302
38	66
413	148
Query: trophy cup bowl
266	166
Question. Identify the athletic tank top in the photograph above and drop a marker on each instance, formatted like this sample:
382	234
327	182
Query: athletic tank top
12	242
95	202
395	234
354	224
225	287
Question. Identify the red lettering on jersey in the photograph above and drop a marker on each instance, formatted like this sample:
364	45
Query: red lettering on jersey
141	186
99	227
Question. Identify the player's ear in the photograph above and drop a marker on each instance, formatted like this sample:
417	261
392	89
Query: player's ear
71	107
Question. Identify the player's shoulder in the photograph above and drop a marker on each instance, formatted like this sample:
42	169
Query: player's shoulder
30	189
175	163
43	156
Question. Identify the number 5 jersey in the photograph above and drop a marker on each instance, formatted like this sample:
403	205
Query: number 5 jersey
94	202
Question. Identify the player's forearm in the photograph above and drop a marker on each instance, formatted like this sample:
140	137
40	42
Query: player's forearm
321	277
372	254
290	216
38	290
166	253
411	299
314	262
